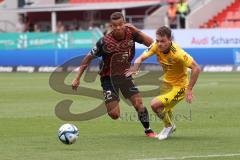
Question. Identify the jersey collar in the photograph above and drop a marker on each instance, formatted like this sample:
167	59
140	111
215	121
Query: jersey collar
167	50
121	39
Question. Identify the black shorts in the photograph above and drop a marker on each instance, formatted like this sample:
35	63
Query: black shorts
111	87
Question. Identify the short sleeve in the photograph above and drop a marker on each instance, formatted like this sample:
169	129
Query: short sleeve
185	58
97	50
137	38
152	49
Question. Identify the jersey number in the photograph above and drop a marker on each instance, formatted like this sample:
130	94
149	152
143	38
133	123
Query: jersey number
107	95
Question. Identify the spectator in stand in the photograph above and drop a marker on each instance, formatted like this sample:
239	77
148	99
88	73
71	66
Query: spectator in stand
90	24
107	28
71	27
205	25
215	24
80	28
60	27
37	28
76	24
172	15
182	10
29	27
20	27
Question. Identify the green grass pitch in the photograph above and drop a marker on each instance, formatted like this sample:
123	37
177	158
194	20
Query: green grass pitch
207	129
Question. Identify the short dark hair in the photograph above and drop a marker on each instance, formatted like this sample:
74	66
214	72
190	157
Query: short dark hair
164	31
116	16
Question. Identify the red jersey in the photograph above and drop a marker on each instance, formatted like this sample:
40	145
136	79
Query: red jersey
117	55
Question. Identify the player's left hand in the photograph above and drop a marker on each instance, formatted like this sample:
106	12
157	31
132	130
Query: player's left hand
132	27
189	96
131	71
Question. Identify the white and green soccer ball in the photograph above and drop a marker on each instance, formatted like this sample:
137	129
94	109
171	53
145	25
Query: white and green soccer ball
68	133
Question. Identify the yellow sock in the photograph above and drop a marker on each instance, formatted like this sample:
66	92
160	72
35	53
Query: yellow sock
170	113
167	117
167	120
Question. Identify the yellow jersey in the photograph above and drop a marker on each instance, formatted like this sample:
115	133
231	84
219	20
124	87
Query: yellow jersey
174	64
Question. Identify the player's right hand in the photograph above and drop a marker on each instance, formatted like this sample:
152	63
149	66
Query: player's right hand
75	84
189	96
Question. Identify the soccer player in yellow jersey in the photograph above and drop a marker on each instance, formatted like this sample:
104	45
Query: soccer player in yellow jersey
174	61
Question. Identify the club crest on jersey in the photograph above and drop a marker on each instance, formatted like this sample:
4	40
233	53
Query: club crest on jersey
170	60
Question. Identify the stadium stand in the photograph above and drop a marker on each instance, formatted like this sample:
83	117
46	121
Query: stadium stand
224	14
100	1
227	18
147	14
158	17
47	13
94	13
205	11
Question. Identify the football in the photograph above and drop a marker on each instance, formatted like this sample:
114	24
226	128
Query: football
68	133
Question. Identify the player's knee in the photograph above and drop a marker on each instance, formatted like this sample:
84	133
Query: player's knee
113	109
136	101
114	115
138	105
156	106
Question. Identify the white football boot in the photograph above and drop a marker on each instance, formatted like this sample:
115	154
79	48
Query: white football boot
166	132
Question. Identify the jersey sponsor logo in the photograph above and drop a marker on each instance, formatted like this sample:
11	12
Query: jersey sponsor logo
166	67
111	47
127	44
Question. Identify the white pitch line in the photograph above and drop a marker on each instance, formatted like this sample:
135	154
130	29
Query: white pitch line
191	157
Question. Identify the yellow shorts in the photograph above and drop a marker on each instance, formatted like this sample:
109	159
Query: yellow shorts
171	95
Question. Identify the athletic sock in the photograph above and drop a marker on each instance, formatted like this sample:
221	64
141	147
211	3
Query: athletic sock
144	118
166	118
170	114
149	130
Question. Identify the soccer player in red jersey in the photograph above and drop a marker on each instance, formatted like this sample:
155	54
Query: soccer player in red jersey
117	50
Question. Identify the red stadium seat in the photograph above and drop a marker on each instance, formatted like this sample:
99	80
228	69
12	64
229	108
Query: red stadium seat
237	24
102	1
227	17
230	15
